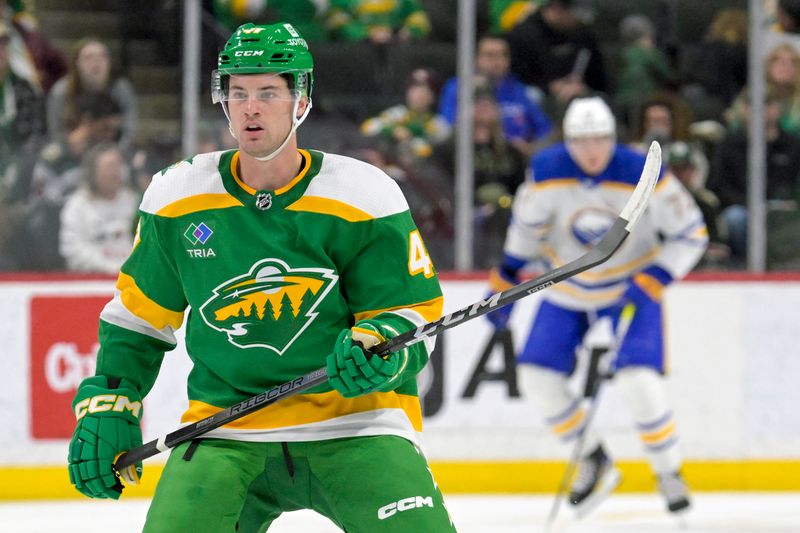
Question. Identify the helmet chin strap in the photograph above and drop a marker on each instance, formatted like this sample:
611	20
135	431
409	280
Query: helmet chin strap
295	124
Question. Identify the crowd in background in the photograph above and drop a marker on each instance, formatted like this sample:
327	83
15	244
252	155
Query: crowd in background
74	162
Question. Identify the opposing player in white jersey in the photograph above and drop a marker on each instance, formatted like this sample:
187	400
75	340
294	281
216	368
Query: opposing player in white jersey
571	200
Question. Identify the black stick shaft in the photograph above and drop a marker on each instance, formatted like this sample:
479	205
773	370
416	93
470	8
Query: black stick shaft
599	253
604	249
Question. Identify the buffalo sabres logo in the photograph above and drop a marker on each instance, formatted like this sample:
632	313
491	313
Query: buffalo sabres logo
270	306
589	225
263	200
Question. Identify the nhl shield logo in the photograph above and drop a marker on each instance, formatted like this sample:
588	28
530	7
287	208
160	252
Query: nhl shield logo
270	306
263	200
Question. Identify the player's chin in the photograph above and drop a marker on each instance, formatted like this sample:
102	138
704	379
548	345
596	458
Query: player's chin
257	149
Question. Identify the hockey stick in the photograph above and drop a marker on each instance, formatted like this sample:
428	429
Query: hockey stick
595	378
599	253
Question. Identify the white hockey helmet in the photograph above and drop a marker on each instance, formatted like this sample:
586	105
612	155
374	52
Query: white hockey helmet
589	117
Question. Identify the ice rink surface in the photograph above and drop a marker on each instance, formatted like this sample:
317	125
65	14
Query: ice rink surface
643	513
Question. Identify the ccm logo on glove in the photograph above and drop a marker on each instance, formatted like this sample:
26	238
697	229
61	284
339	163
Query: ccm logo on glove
107	402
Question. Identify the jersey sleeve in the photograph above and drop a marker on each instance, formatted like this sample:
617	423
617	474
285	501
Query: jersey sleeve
391	282
530	221
681	224
138	325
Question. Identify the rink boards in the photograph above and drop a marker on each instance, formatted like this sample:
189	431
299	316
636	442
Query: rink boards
734	365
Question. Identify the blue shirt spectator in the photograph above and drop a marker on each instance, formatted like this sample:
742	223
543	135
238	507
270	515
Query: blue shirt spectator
524	121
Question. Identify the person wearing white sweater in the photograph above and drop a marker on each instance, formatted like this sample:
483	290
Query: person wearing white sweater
97	220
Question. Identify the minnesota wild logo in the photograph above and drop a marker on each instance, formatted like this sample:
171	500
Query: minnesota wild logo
270	306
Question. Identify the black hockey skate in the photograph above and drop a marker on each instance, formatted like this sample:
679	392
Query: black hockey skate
675	492
597	478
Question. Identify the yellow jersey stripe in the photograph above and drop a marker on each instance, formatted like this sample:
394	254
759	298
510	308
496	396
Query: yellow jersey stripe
630	266
312	408
650	286
562	182
143	307
655	437
617	185
376	7
514	14
663	181
329	206
300	175
430	310
603	275
587	294
239	9
200	202
497	283
235	174
295	180
570	423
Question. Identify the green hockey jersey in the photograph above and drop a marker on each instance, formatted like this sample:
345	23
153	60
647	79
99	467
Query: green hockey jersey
269	279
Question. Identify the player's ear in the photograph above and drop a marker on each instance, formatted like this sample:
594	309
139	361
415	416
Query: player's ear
301	107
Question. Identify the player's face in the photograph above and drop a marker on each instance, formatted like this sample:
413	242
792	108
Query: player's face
260	107
592	154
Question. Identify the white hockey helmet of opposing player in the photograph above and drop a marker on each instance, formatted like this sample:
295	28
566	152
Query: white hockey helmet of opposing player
589	117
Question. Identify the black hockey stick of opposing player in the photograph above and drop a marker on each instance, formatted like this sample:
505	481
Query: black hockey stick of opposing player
599	253
594	380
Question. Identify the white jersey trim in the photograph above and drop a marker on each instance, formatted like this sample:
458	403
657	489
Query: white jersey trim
389	421
357	184
184	180
117	314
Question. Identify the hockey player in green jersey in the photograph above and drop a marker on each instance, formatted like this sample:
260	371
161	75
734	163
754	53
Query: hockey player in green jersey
286	260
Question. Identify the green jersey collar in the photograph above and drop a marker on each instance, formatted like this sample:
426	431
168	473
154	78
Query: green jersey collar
268	200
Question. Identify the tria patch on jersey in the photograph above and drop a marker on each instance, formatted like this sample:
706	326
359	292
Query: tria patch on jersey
270	306
198	233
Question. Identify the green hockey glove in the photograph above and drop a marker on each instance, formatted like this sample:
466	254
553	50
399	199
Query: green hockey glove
108	424
349	370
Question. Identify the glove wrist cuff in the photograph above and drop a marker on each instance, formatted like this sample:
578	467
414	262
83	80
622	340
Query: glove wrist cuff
96	397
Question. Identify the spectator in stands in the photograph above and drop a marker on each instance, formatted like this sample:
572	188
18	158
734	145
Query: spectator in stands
729	175
664	117
555	50
682	160
716	70
788	12
33	58
22	126
92	74
377	22
306	16
499	169
505	14
97	219
410	131
525	124
57	173
783	81
645	68
95	119
21	133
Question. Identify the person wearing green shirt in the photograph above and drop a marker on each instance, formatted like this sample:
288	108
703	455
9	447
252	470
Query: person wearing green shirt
380	22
